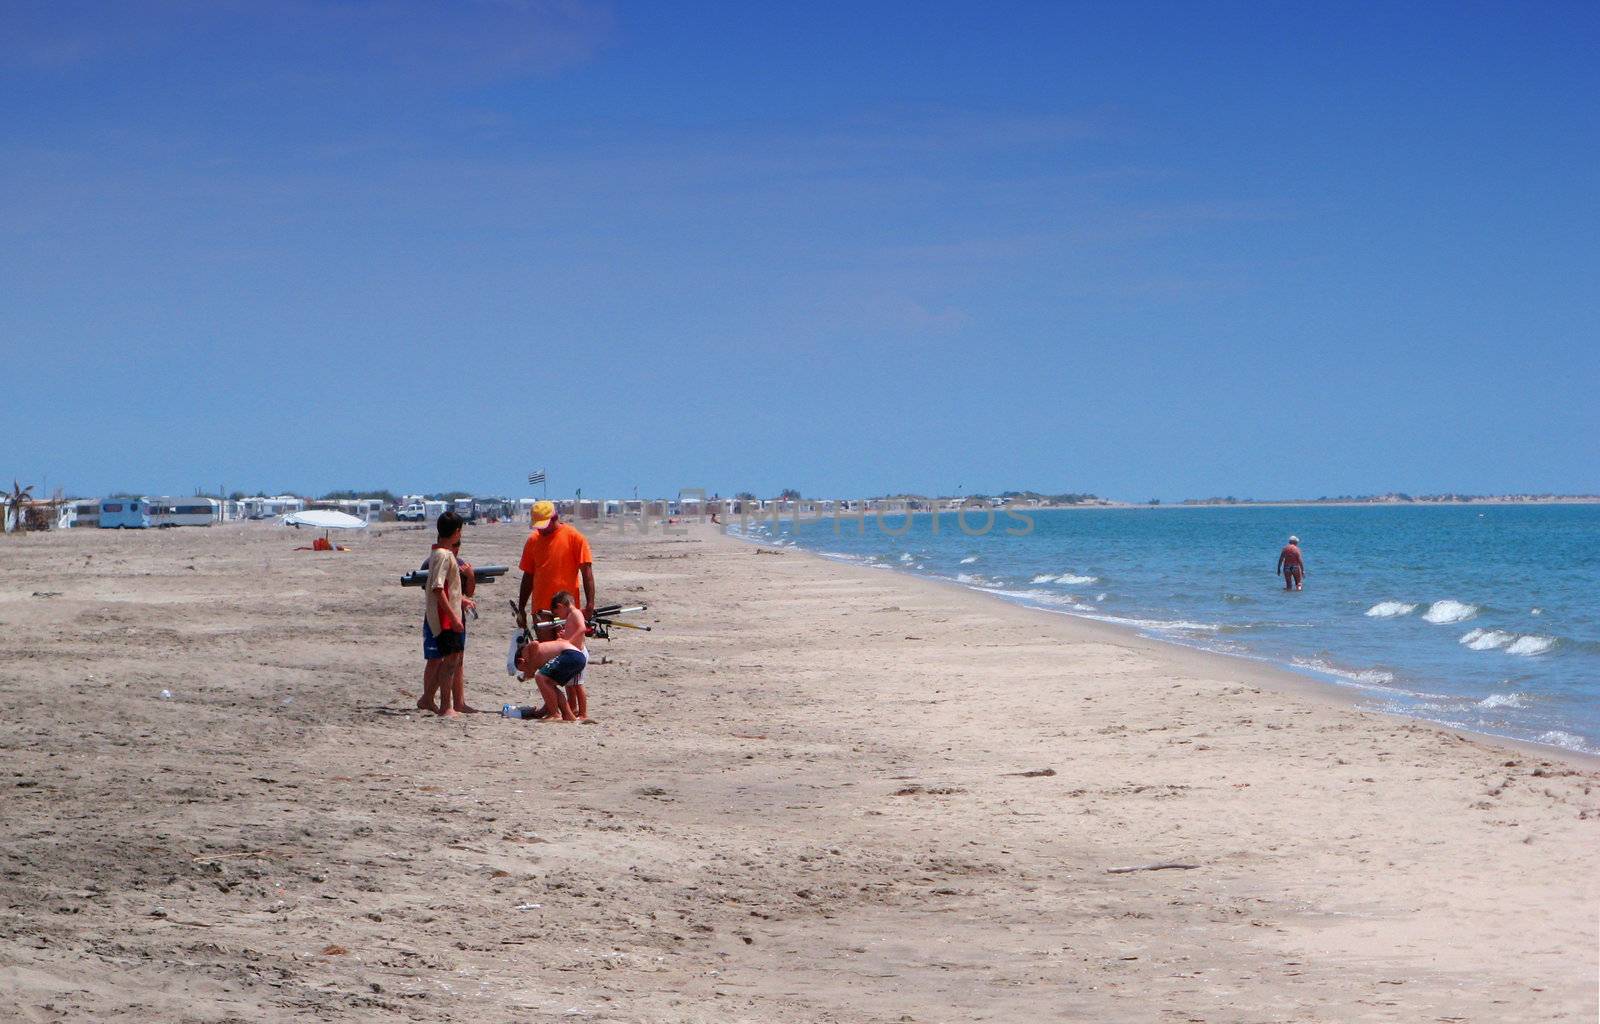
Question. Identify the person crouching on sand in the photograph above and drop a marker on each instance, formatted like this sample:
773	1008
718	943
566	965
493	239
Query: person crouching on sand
561	663
444	626
1291	566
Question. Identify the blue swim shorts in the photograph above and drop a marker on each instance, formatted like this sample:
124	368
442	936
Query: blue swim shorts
565	667
434	648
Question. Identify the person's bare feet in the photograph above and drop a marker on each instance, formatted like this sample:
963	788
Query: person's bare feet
448	713
423	705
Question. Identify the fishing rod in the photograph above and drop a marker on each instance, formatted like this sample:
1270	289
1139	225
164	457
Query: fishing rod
599	625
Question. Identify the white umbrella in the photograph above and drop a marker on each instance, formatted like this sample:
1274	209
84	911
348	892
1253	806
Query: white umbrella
325	519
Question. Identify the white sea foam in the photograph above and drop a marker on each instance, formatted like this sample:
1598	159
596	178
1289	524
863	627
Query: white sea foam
1066	579
1367	677
1043	597
1504	700
842	556
1099	597
1054	600
1557	738
1390	610
905	556
969	559
1486	639
1160	625
1531	645
1448	611
1536	611
1498	639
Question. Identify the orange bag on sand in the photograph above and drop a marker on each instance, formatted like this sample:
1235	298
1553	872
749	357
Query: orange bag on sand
322	544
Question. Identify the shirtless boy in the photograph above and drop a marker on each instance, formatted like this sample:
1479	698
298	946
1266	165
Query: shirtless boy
561	663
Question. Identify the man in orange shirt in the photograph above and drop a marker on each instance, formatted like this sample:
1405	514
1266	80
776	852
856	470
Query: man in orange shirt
554	558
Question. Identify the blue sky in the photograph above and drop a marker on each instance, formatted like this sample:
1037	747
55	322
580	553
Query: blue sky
1142	250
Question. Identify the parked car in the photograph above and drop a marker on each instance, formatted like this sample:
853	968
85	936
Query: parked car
412	513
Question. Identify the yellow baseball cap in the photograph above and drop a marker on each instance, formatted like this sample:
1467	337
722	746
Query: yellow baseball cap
543	512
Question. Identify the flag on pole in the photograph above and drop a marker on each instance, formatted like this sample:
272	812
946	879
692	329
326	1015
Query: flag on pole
536	477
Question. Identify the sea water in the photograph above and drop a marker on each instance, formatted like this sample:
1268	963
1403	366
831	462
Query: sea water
1484	617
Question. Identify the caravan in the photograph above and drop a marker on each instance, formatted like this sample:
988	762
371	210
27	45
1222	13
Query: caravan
169	511
83	513
270	508
124	514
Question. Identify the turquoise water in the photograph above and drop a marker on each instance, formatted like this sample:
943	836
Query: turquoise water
1481	617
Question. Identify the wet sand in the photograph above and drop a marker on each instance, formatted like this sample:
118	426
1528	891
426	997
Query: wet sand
815	793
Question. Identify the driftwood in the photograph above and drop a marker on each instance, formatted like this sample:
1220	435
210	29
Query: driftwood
1163	866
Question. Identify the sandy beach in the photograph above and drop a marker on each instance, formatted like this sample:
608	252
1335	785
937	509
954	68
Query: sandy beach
815	792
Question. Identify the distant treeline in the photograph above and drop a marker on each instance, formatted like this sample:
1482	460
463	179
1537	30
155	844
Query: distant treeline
1054	499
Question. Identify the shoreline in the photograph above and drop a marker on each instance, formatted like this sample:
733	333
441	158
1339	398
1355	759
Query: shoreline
1288	677
1281	677
1120	506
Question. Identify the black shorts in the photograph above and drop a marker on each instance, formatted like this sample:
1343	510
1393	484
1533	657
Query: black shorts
450	641
432	651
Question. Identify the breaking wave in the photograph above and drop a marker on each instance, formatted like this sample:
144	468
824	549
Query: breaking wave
1390	610
1066	579
1035	597
1486	639
1160	625
1371	677
1448	611
1498	639
1530	645
1557	738
1504	700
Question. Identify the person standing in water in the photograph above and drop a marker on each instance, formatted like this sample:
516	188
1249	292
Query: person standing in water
1291	566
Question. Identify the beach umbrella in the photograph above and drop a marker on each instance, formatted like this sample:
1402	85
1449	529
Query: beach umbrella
325	519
